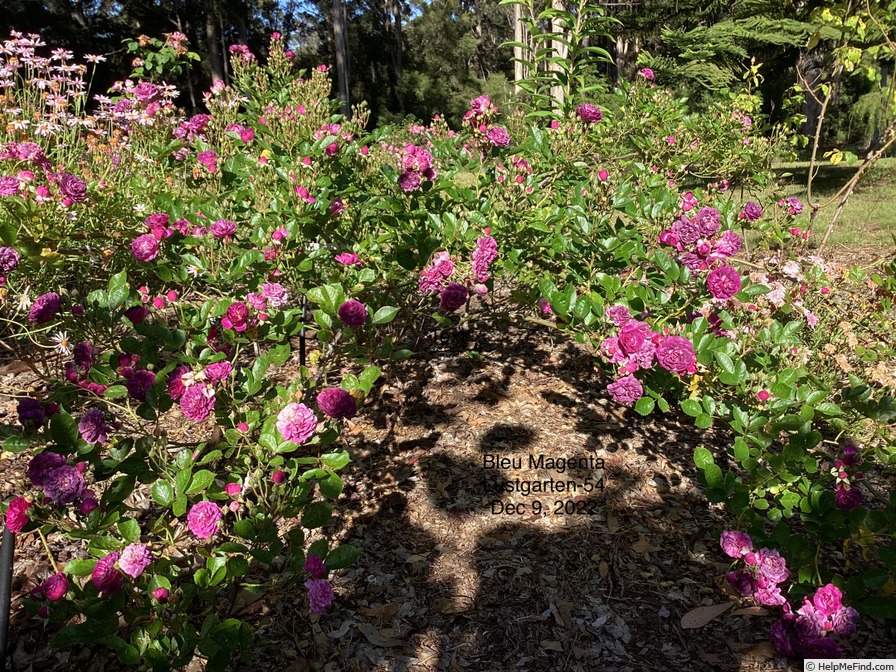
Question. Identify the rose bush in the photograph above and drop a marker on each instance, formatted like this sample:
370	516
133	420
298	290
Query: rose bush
211	245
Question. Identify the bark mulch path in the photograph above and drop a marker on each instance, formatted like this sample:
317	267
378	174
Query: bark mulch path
449	580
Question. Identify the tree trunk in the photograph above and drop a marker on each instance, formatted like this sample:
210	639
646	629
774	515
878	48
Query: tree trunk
521	35
213	41
559	50
342	64
397	66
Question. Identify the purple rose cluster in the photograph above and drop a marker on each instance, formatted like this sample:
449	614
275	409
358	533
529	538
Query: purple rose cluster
635	348
61	482
109	572
697	240
454	294
805	633
480	118
320	592
195	391
76	372
417	165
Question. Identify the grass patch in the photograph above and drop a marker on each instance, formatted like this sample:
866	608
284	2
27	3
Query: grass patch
869	218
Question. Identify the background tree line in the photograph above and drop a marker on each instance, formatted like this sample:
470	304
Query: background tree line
419	58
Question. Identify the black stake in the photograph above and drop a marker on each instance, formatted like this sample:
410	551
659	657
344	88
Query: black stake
302	332
6	555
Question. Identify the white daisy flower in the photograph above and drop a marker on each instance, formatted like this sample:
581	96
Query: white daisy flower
63	345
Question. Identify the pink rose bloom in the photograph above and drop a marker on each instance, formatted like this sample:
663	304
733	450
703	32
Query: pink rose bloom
296	423
203	519
348	259
134	559
735	544
626	390
197	402
320	595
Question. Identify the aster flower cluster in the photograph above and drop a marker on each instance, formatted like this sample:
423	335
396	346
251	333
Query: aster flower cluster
805	633
417	165
696	240
635	348
846	495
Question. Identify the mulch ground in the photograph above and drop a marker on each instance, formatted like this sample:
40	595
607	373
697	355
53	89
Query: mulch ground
571	580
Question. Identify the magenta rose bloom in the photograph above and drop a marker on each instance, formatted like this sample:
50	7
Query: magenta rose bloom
136	314
485	253
770	596
315	567
9	185
723	282
106	577
409	180
828	599
64	485
588	113
139	384
145	247
175	384
73	187
646	73
850	454
626	390
275	294
203	519
741	581
16	516
819	647
41	465
92	427
45	308
31	413
736	544
498	136
197	402
709	220
728	245
784	637
773	567
84	355
352	313
631	338
236	317
847	498
215	373
348	259
752	212
687	230
337	403
135	559
223	228
619	315
55	587
9	260
320	594
451	298
844	621
676	354
296	423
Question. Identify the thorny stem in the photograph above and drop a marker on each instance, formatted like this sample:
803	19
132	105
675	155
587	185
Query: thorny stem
47	549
